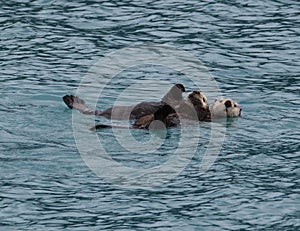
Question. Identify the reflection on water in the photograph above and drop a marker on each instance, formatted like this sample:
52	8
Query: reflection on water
251	49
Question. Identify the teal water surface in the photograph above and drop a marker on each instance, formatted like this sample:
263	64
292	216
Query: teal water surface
250	47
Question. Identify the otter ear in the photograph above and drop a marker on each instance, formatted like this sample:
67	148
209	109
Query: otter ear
228	104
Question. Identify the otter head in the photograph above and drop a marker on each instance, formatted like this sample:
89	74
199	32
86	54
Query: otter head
225	108
196	98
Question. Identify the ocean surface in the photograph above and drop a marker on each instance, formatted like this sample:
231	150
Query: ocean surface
250	48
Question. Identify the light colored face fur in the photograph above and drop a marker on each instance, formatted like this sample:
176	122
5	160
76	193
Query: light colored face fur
198	98
225	108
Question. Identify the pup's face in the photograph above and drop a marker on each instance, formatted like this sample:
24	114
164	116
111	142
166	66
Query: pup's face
225	108
197	98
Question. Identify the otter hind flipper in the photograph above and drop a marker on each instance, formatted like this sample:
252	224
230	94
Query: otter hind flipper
68	101
74	102
174	95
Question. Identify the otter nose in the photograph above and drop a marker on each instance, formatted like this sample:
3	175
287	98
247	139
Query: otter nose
240	112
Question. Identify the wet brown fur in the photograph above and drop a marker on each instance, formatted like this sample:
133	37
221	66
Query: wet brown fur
173	98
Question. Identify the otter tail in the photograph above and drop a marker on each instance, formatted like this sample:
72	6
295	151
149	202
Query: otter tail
101	126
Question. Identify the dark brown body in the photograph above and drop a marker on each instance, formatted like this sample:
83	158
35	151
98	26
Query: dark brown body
194	108
173	98
131	112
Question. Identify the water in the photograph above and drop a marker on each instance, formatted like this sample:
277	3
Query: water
250	47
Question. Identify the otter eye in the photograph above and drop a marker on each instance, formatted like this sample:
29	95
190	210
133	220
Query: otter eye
235	105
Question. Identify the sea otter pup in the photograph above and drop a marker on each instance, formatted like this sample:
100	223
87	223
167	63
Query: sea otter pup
173	98
196	102
195	107
225	108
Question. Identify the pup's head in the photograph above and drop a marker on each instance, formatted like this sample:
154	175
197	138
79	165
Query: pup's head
225	108
197	98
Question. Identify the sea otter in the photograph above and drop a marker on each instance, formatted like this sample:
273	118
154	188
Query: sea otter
173	98
195	103
195	107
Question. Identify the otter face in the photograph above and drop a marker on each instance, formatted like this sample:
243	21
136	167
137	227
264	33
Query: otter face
197	98
225	108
